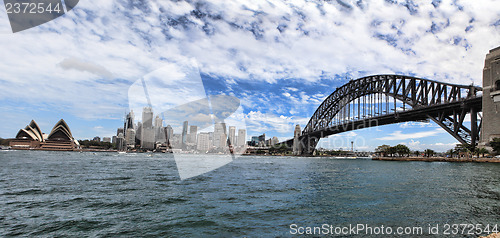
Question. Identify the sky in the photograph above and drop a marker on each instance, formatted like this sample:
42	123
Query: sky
279	58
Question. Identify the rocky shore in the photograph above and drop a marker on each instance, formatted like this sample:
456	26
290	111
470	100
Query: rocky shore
439	159
493	235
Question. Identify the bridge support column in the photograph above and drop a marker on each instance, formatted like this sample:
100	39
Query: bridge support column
491	98
308	144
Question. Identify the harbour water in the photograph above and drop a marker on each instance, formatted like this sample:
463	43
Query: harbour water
110	194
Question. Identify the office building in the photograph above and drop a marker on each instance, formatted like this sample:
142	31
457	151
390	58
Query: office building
169	133
147	131
242	135
203	143
193	131
232	135
184	134
220	135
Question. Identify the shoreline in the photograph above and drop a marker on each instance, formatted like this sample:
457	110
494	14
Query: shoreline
439	159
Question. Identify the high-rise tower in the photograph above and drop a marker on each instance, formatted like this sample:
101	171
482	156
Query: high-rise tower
147	133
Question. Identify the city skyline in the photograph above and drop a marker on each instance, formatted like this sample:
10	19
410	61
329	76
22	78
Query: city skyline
280	64
153	134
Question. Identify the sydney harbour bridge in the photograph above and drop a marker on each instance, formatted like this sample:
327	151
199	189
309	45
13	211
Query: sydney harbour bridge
387	99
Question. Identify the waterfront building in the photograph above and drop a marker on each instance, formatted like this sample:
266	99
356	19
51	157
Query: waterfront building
97	139
242	134
29	137
120	142
60	138
106	139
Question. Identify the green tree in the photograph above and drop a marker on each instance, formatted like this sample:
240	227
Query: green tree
279	149
4	141
482	151
392	151
416	153
495	145
383	149
459	148
429	152
402	150
450	152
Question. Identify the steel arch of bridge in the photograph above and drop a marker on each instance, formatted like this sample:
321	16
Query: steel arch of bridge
385	99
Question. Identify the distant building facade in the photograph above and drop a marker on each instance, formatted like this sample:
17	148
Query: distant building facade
31	137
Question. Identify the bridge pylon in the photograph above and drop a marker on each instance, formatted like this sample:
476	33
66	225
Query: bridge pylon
491	98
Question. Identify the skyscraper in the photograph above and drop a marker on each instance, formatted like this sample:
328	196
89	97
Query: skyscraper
158	121
220	135
120	142
193	130
147	117
147	133
158	128
169	133
242	135
130	138
184	134
129	121
232	135
128	124
203	143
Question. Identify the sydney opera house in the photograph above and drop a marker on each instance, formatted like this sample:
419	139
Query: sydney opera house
31	137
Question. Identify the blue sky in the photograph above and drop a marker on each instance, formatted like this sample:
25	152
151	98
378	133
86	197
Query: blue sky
280	58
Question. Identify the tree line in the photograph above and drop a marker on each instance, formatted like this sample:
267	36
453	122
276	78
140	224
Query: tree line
404	151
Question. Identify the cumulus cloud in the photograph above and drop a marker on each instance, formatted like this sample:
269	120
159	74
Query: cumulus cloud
77	64
261	122
84	61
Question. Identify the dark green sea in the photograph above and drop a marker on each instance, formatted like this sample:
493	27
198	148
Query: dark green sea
69	194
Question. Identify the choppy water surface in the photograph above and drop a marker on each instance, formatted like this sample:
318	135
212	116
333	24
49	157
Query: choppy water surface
107	194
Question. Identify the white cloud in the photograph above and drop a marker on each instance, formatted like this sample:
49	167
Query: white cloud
84	62
440	147
398	135
414	124
261	122
77	64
